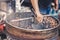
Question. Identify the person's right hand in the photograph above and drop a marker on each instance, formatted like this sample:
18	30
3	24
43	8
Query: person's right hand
39	17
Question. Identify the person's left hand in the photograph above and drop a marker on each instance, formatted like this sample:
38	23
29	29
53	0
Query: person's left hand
56	7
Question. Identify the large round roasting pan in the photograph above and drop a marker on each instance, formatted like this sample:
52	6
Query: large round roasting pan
29	33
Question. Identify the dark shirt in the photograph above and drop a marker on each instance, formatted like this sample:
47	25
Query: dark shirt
27	3
44	3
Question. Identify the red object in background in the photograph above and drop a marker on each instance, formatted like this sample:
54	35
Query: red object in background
1	27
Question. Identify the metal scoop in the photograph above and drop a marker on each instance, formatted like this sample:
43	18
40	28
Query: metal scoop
21	19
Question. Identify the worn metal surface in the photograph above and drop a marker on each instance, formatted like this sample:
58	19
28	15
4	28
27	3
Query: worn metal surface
29	33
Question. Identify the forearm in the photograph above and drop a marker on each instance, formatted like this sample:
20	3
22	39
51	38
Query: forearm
56	5
35	5
56	2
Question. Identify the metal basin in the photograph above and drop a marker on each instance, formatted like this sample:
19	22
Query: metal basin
19	29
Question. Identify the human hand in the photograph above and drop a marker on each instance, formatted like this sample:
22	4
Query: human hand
39	17
56	7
